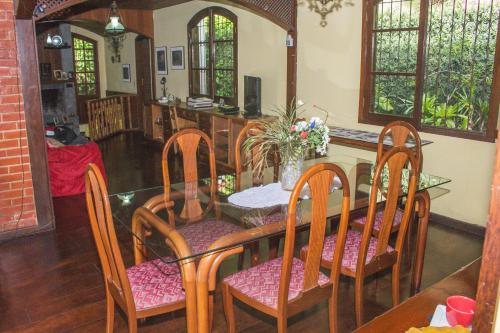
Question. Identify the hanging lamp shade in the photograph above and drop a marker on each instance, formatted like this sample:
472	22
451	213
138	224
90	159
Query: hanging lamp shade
114	26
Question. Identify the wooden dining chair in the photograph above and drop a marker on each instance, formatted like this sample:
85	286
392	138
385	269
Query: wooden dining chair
247	162
285	286
198	229
364	253
400	133
148	288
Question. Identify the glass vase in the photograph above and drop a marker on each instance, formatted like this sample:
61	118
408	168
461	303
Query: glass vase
290	173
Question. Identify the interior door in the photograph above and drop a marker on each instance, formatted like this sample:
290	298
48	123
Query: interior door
86	67
144	77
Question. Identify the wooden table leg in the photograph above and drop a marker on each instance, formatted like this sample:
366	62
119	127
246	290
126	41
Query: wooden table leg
423	206
205	283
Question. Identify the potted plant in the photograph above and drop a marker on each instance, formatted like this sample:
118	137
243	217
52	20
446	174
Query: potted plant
293	137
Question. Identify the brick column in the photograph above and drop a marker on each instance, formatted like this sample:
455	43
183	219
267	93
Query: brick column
17	208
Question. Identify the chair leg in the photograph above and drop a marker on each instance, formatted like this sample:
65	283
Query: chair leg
332	313
210	311
227	300
254	253
395	284
274	244
241	259
132	324
358	299
408	242
110	313
282	324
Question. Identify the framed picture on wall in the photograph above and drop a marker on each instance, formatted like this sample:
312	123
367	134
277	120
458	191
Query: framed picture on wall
126	75
177	56
161	60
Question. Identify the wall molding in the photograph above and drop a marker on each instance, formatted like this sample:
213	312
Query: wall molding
469	228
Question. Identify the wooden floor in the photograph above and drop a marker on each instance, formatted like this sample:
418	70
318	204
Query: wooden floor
51	282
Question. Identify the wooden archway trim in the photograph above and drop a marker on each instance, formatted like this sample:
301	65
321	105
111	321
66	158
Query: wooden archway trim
139	21
281	12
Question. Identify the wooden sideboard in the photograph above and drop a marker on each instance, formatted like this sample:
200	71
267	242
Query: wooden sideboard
222	129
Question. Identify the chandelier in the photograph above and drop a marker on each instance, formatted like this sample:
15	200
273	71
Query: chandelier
325	7
114	29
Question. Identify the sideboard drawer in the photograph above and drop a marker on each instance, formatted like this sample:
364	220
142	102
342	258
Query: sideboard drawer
187	114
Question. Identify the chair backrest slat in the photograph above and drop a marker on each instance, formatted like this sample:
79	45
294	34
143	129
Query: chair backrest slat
242	161
189	141
401	133
319	180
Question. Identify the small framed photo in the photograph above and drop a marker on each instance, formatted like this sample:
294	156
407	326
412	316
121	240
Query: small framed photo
57	74
161	60
177	56
126	75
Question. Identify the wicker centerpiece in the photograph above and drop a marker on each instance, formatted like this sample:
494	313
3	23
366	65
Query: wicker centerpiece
293	137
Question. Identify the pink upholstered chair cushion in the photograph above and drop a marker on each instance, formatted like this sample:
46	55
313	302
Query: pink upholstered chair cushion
155	283
199	235
351	249
261	282
398	217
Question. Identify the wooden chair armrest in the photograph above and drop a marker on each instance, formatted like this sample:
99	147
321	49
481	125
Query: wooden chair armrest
143	221
157	203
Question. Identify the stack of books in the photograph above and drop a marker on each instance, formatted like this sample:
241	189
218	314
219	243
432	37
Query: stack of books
200	102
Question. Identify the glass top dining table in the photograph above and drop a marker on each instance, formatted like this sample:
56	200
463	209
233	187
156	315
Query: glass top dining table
226	225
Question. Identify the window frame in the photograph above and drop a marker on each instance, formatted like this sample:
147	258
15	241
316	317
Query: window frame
96	64
366	81
211	12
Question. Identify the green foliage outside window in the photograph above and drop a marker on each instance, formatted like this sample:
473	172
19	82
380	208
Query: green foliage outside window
459	60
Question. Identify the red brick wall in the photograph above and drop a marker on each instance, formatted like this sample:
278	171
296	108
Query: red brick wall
16	189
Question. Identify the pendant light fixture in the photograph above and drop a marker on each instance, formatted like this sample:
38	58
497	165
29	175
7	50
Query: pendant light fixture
114	30
114	26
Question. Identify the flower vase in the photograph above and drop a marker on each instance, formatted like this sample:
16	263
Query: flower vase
290	173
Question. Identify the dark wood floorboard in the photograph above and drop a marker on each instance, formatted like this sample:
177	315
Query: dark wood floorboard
51	282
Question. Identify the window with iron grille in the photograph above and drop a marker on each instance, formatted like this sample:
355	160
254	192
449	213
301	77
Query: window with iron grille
433	63
213	66
85	62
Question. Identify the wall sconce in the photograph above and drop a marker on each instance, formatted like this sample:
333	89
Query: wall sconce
325	7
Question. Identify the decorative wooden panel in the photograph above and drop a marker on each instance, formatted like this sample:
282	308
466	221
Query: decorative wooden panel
51	4
279	11
107	116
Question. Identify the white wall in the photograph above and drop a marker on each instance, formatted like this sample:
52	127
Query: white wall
101	55
114	70
261	51
329	76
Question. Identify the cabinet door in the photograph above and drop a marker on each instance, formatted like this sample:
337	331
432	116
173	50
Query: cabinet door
205	123
157	122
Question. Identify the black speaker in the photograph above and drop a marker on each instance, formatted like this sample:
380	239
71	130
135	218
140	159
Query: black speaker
252	96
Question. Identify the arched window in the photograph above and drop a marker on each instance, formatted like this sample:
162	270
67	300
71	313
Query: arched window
213	50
